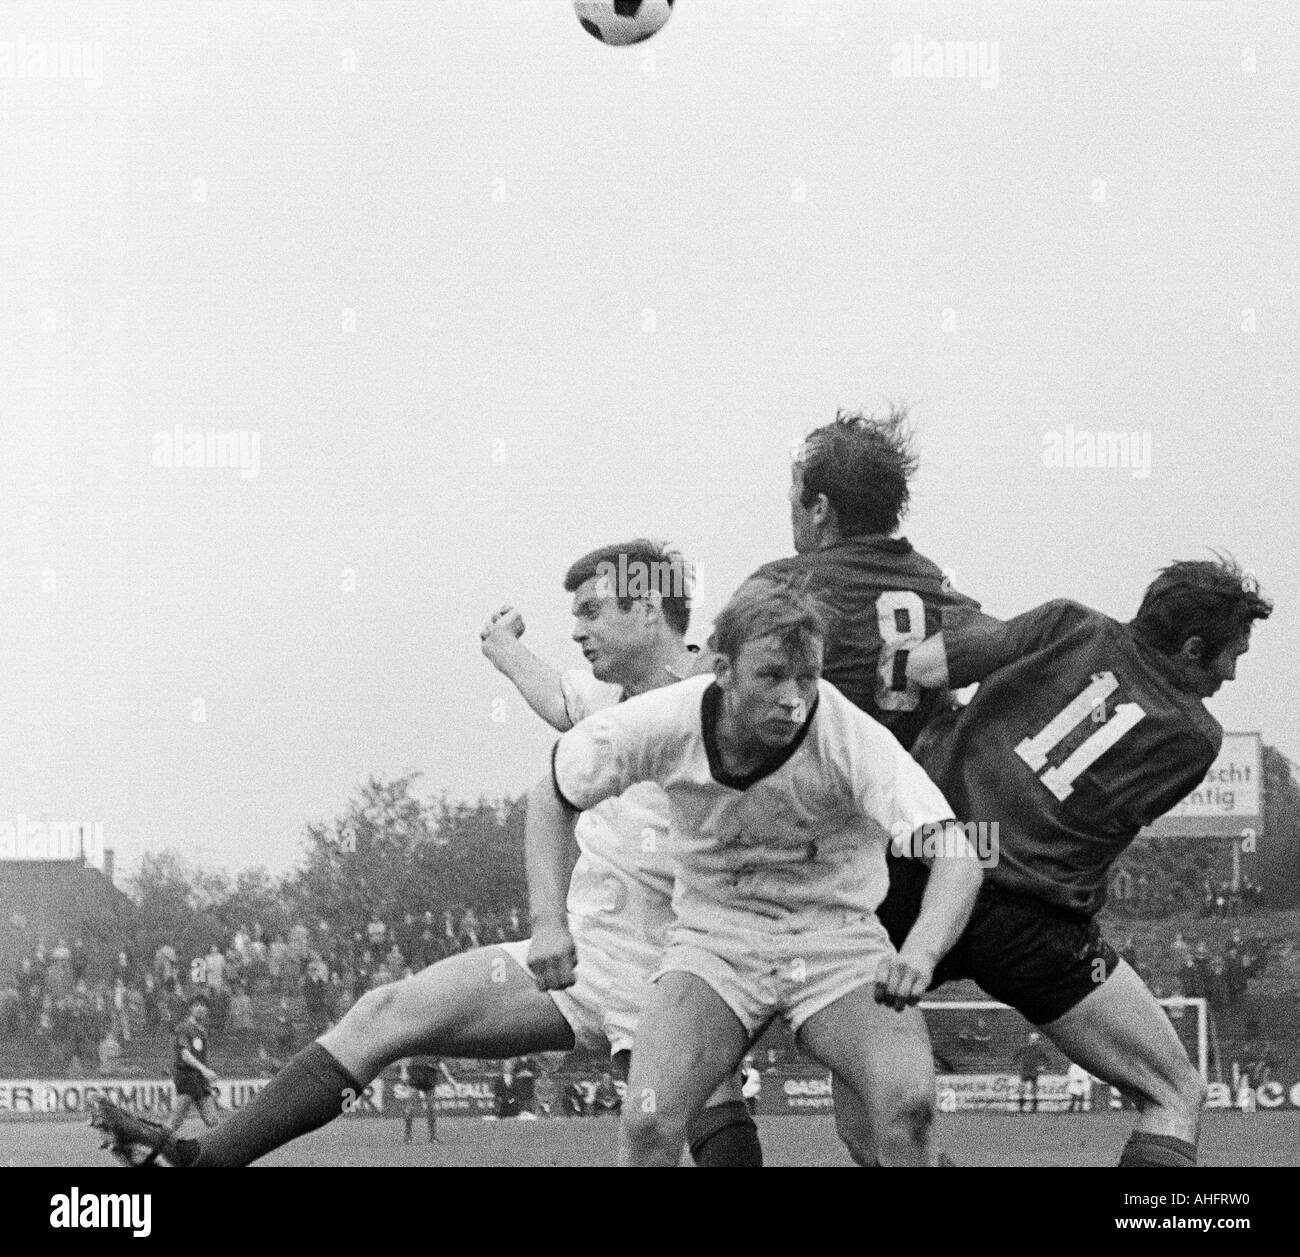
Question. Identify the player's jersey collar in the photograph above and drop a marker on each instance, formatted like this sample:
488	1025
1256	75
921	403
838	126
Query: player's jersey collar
871	541
710	707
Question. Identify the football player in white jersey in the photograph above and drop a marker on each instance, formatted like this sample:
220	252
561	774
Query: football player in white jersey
485	1003
631	610
784	797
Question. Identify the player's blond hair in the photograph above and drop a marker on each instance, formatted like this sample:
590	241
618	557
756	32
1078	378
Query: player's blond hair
769	606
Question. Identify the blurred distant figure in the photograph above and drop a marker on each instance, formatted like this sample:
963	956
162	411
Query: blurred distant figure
239	1021
751	1084
1031	1059
606	1098
547	1094
420	1075
1078	1087
193	1077
526	1087
505	1092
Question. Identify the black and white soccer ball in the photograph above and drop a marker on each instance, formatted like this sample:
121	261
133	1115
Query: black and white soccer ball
623	21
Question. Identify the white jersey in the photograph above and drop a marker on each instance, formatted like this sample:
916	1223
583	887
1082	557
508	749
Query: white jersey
622	884
799	844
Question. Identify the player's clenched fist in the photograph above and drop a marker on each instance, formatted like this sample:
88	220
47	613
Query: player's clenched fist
503	627
903	979
552	957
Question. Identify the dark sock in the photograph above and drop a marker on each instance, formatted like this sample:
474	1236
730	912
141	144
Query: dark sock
1162	1150
183	1152
725	1136
306	1094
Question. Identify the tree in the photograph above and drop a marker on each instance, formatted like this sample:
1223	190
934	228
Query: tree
257	899
390	854
365	865
1279	838
175	903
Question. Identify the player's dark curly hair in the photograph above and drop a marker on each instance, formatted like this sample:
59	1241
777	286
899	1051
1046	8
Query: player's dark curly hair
651	566
1214	600
863	464
770	606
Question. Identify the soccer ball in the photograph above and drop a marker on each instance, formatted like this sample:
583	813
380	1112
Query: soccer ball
622	21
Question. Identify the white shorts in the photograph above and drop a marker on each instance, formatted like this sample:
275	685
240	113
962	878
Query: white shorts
603	1005
759	974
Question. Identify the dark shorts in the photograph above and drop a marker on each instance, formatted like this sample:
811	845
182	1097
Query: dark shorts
1038	958
193	1085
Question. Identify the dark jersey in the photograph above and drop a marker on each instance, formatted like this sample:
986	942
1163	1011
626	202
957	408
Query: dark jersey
1032	1060
1077	737
423	1072
884	598
191	1037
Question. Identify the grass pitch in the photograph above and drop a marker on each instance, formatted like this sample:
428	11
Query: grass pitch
983	1139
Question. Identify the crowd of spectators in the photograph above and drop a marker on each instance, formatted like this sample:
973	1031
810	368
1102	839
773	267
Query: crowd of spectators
68	1011
1219	972
1138	895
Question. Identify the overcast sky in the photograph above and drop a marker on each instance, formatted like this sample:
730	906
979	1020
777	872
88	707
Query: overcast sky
482	294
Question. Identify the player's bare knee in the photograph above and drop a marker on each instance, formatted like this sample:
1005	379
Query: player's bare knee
908	1120
652	1132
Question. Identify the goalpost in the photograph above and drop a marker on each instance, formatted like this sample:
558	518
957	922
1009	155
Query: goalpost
976	1044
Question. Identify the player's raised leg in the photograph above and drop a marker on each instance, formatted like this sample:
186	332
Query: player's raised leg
688	1042
1120	1033
478	1004
884	1075
481	1004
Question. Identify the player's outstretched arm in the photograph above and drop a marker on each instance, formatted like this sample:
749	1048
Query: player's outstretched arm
955	877
927	664
550	852
962	654
534	678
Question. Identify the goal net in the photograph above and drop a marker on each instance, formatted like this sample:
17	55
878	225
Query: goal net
980	1047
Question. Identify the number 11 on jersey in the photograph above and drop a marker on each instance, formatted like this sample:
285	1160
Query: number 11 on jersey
1086	705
